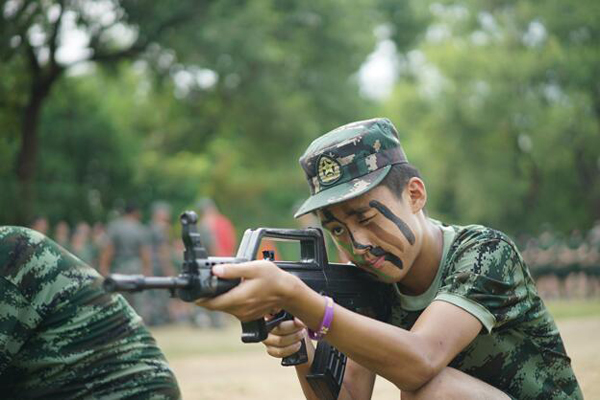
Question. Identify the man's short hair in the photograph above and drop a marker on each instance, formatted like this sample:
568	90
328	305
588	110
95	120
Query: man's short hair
398	177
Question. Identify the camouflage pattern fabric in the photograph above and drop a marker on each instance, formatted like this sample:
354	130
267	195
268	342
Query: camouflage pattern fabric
348	161
519	350
63	337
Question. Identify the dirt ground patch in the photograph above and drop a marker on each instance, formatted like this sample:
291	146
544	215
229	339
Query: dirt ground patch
215	365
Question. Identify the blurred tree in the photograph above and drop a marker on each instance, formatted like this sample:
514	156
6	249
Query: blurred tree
32	36
407	19
88	162
500	108
224	98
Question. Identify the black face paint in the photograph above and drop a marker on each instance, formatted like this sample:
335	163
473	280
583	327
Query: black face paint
356	244
386	212
329	217
378	252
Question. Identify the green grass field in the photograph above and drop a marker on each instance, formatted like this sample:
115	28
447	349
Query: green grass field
215	365
181	342
562	309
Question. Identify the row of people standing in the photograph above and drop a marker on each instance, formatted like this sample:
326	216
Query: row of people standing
128	246
564	265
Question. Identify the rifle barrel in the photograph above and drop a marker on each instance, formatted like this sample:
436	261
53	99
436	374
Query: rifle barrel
135	283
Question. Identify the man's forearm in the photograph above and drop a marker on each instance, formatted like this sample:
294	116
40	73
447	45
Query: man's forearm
360	338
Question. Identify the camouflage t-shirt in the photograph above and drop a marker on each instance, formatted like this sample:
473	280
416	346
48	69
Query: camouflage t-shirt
62	336
519	349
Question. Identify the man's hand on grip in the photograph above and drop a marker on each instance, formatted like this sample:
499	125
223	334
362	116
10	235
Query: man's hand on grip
285	339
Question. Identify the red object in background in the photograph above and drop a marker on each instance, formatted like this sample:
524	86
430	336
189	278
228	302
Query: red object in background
224	234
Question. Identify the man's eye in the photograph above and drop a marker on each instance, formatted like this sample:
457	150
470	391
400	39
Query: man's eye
365	220
337	231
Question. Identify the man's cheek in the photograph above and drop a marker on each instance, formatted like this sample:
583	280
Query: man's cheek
348	250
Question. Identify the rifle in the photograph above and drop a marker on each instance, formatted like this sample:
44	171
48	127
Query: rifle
347	285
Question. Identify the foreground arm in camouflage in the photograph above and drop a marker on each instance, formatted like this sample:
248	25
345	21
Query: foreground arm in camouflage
62	336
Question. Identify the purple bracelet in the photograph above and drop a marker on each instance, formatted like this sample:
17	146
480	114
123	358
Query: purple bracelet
326	323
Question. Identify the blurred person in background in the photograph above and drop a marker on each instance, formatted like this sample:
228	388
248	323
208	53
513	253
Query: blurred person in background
571	257
63	336
40	224
97	240
127	250
182	311
592	260
160	225
62	234
218	236
81	244
221	228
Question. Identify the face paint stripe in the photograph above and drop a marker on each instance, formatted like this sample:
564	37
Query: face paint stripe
355	243
386	212
394	260
358	259
331	218
363	264
387	237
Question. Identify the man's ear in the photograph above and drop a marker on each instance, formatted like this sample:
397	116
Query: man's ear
417	194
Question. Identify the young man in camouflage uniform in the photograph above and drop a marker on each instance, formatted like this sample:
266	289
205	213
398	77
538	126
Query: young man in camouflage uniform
62	336
466	321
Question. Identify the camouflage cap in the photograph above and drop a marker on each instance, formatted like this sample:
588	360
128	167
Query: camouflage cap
349	161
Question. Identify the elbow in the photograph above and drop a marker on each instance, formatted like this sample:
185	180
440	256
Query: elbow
417	374
423	373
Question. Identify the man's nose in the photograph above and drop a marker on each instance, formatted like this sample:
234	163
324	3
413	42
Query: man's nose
360	243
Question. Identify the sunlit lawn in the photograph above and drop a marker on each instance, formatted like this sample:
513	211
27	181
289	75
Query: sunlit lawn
562	309
215	365
185	341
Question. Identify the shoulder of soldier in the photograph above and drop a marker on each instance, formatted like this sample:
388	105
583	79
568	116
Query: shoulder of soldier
7	232
17	247
483	239
470	235
32	262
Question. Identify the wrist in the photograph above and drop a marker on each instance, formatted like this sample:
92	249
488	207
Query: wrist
323	328
291	291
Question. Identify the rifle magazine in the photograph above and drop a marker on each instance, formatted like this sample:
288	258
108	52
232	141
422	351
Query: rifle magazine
327	371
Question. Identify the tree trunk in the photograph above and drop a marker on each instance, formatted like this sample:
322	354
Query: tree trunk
27	157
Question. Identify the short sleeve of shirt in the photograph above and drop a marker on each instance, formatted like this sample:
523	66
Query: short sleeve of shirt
486	277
